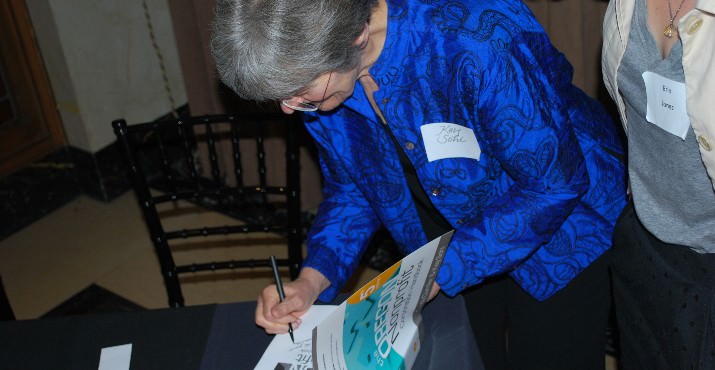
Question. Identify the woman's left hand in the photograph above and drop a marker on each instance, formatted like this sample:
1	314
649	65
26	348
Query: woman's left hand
433	291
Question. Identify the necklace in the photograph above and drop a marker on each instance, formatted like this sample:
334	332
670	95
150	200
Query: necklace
670	27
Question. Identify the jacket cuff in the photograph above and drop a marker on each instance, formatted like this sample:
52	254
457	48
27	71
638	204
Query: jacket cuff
450	276
326	263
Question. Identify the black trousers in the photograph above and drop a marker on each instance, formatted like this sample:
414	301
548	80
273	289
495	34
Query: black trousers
664	296
567	331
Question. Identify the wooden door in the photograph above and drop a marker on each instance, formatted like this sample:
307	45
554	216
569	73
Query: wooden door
30	126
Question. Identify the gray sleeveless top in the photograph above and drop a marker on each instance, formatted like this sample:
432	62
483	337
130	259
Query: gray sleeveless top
673	196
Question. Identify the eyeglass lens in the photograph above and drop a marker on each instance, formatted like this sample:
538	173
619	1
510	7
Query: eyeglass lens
306	106
303	106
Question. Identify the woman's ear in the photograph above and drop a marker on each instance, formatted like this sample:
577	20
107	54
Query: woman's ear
364	37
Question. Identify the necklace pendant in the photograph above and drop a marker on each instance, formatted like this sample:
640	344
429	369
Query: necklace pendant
668	31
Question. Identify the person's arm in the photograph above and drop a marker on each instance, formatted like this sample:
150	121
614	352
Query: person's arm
341	231
345	222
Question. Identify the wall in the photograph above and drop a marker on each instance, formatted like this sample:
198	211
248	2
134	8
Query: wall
574	27
102	65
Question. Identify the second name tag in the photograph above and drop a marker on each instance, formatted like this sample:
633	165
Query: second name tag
666	104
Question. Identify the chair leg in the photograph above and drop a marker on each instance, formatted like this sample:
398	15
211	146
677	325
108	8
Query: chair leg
168	271
6	313
173	289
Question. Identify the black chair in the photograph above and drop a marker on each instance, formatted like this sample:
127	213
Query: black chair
6	313
164	161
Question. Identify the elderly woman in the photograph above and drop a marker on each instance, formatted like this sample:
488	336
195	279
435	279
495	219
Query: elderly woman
438	115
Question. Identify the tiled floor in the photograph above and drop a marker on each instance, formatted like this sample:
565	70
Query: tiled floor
88	241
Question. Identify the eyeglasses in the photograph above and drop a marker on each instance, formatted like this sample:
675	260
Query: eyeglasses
306	105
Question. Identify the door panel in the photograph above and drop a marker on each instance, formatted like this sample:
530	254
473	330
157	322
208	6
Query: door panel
30	126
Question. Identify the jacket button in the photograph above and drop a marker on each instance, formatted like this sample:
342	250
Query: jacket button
385	100
703	141
695	26
409	145
436	191
460	221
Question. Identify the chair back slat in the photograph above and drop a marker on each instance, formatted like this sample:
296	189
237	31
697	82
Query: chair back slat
185	133
261	160
155	133
236	156
212	153
292	154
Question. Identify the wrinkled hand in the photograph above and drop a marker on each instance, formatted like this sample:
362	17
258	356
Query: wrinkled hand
433	291
274	315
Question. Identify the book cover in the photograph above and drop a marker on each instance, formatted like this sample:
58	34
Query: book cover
378	327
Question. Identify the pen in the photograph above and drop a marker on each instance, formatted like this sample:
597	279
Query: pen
281	294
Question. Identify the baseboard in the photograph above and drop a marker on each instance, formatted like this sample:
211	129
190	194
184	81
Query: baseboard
48	184
101	175
37	190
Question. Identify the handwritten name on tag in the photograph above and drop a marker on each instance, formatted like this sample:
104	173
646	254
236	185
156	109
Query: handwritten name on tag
448	140
666	104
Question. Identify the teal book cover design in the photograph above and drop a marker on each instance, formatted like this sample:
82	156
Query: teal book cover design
369	329
378	326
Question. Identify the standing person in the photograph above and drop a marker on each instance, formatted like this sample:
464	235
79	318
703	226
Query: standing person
438	115
659	66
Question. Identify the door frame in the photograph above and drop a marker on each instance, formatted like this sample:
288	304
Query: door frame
37	129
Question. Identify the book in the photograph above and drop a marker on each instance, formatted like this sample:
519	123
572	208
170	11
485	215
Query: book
377	327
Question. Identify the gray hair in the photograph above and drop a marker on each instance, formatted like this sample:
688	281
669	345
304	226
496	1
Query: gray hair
274	49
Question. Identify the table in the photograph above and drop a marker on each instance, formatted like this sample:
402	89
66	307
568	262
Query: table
208	337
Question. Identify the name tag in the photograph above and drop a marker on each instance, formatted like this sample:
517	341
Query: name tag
448	140
666	104
116	357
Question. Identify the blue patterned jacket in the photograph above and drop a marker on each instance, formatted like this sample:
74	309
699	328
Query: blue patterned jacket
541	201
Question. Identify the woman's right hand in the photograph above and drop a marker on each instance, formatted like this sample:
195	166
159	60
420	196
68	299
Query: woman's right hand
274	315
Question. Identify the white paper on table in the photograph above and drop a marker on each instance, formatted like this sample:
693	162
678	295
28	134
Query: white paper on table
116	357
284	354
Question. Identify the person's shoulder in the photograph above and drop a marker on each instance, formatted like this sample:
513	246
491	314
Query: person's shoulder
466	13
453	6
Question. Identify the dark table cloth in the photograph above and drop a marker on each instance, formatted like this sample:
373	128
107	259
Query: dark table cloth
210	337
